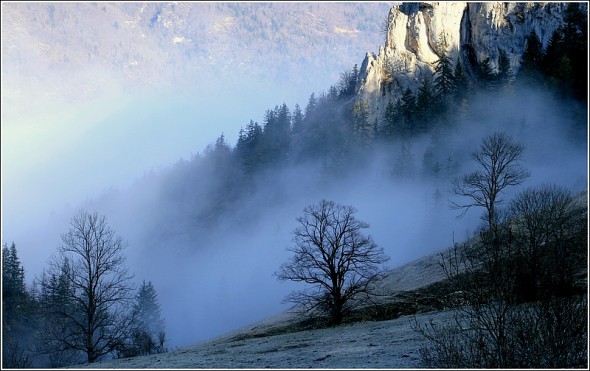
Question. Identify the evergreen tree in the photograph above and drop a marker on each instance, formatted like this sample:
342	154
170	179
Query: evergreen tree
148	333
426	105
389	122
362	127
248	146
504	75
311	106
297	120
444	79
333	93
348	82
404	162
566	59
532	58
276	133
576	39
485	74
405	111
431	167
461	82
18	312
55	300
14	293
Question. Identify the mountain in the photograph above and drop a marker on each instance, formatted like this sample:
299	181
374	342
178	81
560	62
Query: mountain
78	51
471	32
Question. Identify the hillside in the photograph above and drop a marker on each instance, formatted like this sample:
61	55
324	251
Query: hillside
416	293
271	344
387	344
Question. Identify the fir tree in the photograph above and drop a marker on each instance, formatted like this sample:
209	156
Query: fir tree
13	279
504	75
426	105
18	312
486	75
405	110
362	128
461	82
311	107
389	122
532	58
297	120
248	148
444	80
148	317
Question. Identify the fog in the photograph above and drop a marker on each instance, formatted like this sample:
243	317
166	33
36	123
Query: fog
225	280
71	155
61	153
209	288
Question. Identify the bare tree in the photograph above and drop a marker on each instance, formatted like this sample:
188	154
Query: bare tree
522	294
549	229
335	258
498	156
95	289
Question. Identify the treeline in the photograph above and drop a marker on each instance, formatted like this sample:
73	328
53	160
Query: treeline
333	128
83	308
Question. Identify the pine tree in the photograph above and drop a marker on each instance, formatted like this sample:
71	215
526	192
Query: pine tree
297	120
576	39
311	107
504	75
566	58
362	128
18	312
389	122
276	133
461	82
55	301
404	162
147	333
148	317
486	75
14	291
405	111
532	58
426	105
248	148
444	80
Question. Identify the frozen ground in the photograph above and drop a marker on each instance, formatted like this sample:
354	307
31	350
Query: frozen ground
381	344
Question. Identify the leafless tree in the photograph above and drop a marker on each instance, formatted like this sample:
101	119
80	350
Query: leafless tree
521	295
335	258
549	228
94	290
499	159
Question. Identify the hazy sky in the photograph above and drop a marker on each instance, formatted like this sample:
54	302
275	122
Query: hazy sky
57	152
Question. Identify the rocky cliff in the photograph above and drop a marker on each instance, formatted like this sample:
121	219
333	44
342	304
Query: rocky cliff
471	31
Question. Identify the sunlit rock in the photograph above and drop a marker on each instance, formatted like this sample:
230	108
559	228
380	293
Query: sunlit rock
472	32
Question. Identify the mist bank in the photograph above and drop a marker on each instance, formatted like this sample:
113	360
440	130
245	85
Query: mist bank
219	278
211	255
59	154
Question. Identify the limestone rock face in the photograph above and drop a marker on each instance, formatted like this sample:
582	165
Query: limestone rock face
472	32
